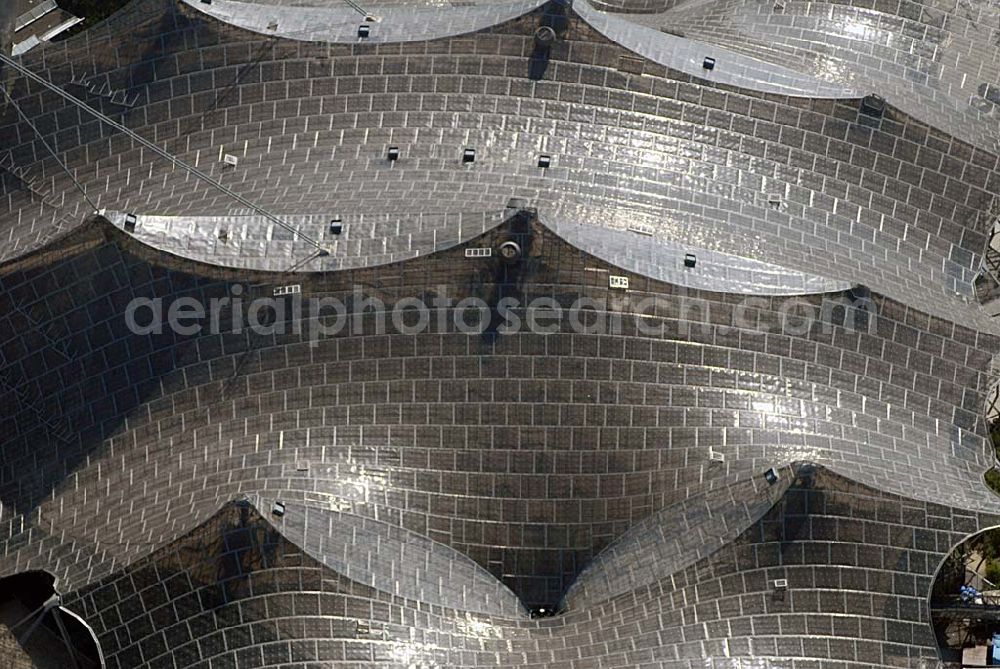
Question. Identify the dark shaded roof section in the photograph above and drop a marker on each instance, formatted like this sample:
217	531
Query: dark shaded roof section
232	590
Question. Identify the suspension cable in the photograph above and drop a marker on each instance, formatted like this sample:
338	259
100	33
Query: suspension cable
176	162
357	8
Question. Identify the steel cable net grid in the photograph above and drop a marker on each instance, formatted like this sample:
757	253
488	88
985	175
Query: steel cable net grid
720	489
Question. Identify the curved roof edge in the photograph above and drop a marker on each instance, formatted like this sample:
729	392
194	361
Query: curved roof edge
97	229
797	273
678	536
409	565
341	24
252	242
688	56
654	548
663	260
90	632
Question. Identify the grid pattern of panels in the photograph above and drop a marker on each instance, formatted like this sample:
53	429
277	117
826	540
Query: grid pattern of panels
234	592
676	537
395	20
730	67
528	454
253	242
392	559
671	262
395	497
884	202
934	60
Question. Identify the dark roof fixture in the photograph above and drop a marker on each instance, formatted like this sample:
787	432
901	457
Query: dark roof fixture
544	161
859	292
510	251
991	92
336	225
708	63
690	260
469	156
393	154
771	476
130	221
545	36
364	31
872	105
